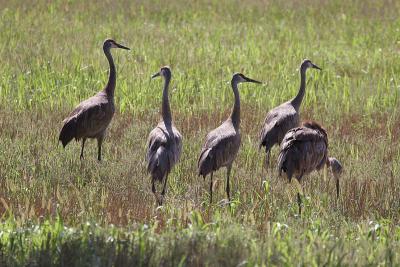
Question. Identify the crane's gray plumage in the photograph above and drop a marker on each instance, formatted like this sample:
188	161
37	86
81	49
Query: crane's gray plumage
305	149
284	117
222	144
91	117
164	142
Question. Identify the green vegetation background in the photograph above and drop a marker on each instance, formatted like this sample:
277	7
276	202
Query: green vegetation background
57	210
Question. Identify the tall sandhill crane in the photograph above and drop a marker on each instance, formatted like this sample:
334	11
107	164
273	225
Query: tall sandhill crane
305	149
92	116
222	143
284	117
164	142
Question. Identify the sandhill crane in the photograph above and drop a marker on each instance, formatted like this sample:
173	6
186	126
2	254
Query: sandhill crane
222	143
92	116
164	142
305	149
284	117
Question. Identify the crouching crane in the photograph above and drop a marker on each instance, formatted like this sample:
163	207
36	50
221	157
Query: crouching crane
305	149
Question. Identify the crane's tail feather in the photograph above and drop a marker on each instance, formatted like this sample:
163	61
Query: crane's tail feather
286	163
158	164
205	164
282	162
68	132
268	138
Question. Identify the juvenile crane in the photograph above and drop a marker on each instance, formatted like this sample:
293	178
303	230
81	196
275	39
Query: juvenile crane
222	143
164	142
305	149
284	117
92	116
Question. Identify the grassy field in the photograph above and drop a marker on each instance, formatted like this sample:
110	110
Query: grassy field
58	210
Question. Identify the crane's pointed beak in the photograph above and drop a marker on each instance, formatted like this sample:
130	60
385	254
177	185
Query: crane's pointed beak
251	80
316	67
155	75
121	46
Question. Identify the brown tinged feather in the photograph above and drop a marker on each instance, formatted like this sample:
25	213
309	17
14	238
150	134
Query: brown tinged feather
68	132
305	149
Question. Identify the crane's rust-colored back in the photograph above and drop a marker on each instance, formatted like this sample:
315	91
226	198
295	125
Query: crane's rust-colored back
303	150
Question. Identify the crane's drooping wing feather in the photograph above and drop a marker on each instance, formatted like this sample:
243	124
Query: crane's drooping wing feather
302	151
276	124
88	119
220	149
163	151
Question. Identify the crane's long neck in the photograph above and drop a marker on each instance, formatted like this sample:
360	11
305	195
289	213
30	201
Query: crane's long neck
110	87
296	102
235	114
166	110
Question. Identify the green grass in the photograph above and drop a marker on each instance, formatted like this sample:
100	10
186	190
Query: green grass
58	210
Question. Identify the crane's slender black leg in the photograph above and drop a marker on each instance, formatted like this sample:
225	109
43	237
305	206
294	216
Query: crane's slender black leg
153	189
299	202
83	146
337	187
267	157
263	178
163	191
266	167
99	143
211	187
228	174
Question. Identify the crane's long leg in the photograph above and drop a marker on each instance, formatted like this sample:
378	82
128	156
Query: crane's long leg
153	189
163	191
228	174
83	146
99	143
267	158
337	186
299	202
263	178
211	187
266	167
